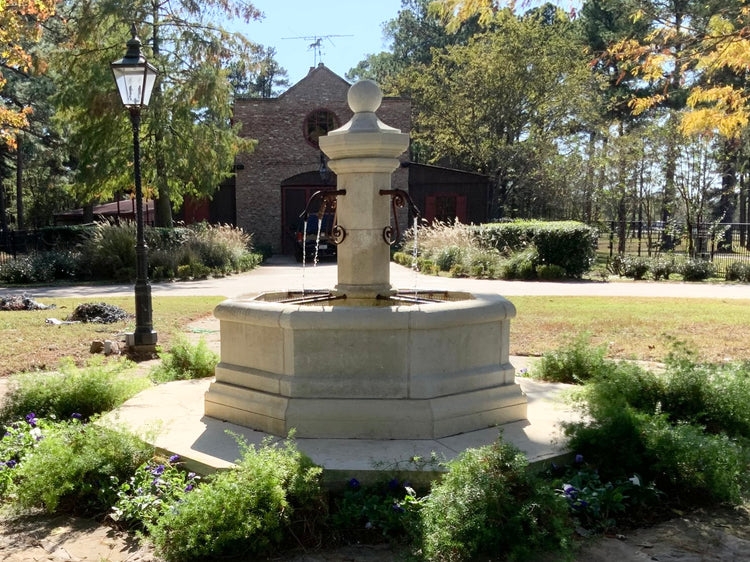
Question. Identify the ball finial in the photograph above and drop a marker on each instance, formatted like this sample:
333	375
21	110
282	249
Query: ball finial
365	95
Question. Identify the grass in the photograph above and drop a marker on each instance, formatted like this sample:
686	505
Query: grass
633	328
29	343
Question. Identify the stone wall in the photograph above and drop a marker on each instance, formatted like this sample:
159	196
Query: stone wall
283	151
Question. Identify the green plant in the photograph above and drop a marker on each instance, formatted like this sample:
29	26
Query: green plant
574	363
109	252
521	265
389	509
185	361
686	430
19	438
550	272
738	271
697	270
154	488
449	256
76	468
98	387
662	268
489	504
249	510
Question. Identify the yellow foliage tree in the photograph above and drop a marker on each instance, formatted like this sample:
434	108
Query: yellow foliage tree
20	23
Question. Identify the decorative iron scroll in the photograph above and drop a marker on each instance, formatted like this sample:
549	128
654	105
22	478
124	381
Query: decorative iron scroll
327	201
399	199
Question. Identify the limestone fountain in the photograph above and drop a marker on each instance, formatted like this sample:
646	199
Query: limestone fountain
363	360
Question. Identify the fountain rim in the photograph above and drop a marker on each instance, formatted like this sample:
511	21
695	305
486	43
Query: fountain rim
475	309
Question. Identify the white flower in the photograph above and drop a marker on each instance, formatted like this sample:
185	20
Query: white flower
635	480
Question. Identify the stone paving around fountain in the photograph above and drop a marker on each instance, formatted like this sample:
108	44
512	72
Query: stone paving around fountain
172	415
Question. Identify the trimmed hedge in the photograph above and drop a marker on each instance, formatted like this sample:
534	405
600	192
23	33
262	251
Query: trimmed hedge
570	245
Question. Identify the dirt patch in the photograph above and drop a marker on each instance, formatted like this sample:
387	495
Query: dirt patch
41	537
718	534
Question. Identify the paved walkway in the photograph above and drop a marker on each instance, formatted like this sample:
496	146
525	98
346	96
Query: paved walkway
282	273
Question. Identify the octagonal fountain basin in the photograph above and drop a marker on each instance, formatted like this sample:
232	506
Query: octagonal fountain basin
410	366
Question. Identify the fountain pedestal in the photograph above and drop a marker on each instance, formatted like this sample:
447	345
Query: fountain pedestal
365	366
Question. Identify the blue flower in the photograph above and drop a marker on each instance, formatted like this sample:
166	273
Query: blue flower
189	487
158	471
174	458
570	491
397	508
11	463
354	484
76	416
191	475
31	419
579	458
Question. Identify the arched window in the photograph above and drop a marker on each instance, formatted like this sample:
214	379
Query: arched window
317	124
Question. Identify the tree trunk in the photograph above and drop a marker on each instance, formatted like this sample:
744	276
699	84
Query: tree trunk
163	203
727	199
20	225
743	212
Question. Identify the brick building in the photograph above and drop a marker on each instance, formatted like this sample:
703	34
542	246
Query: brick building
273	183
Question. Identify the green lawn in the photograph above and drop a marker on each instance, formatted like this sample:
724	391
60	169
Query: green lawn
634	328
639	328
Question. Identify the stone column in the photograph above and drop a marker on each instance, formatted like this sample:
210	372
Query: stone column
364	153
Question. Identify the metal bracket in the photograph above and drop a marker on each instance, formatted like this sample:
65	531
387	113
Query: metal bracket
399	199
327	201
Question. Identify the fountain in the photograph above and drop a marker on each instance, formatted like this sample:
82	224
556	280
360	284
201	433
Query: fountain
363	360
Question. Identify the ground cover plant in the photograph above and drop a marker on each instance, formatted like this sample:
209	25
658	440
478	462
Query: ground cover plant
26	330
185	361
684	430
98	387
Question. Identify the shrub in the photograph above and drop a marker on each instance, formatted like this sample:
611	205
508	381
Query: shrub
683	429
249	510
449	256
75	468
635	267
489	504
484	264
738	271
99	387
186	361
575	363
521	265
569	244
550	272
662	268
109	252
697	270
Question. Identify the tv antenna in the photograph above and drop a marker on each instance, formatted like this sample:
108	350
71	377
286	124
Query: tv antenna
317	44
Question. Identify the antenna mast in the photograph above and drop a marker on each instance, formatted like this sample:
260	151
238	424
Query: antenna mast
317	44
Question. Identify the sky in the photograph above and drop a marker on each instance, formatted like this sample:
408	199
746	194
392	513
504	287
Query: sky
349	31
359	23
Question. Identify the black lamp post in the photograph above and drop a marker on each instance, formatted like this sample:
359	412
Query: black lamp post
135	79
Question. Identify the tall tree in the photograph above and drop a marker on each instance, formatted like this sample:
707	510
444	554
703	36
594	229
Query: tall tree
189	142
20	25
500	103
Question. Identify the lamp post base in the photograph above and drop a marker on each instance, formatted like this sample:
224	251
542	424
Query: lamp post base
141	342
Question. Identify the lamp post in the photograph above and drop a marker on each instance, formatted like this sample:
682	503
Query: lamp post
135	78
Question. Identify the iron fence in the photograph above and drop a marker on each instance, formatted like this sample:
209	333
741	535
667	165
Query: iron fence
722	243
15	242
